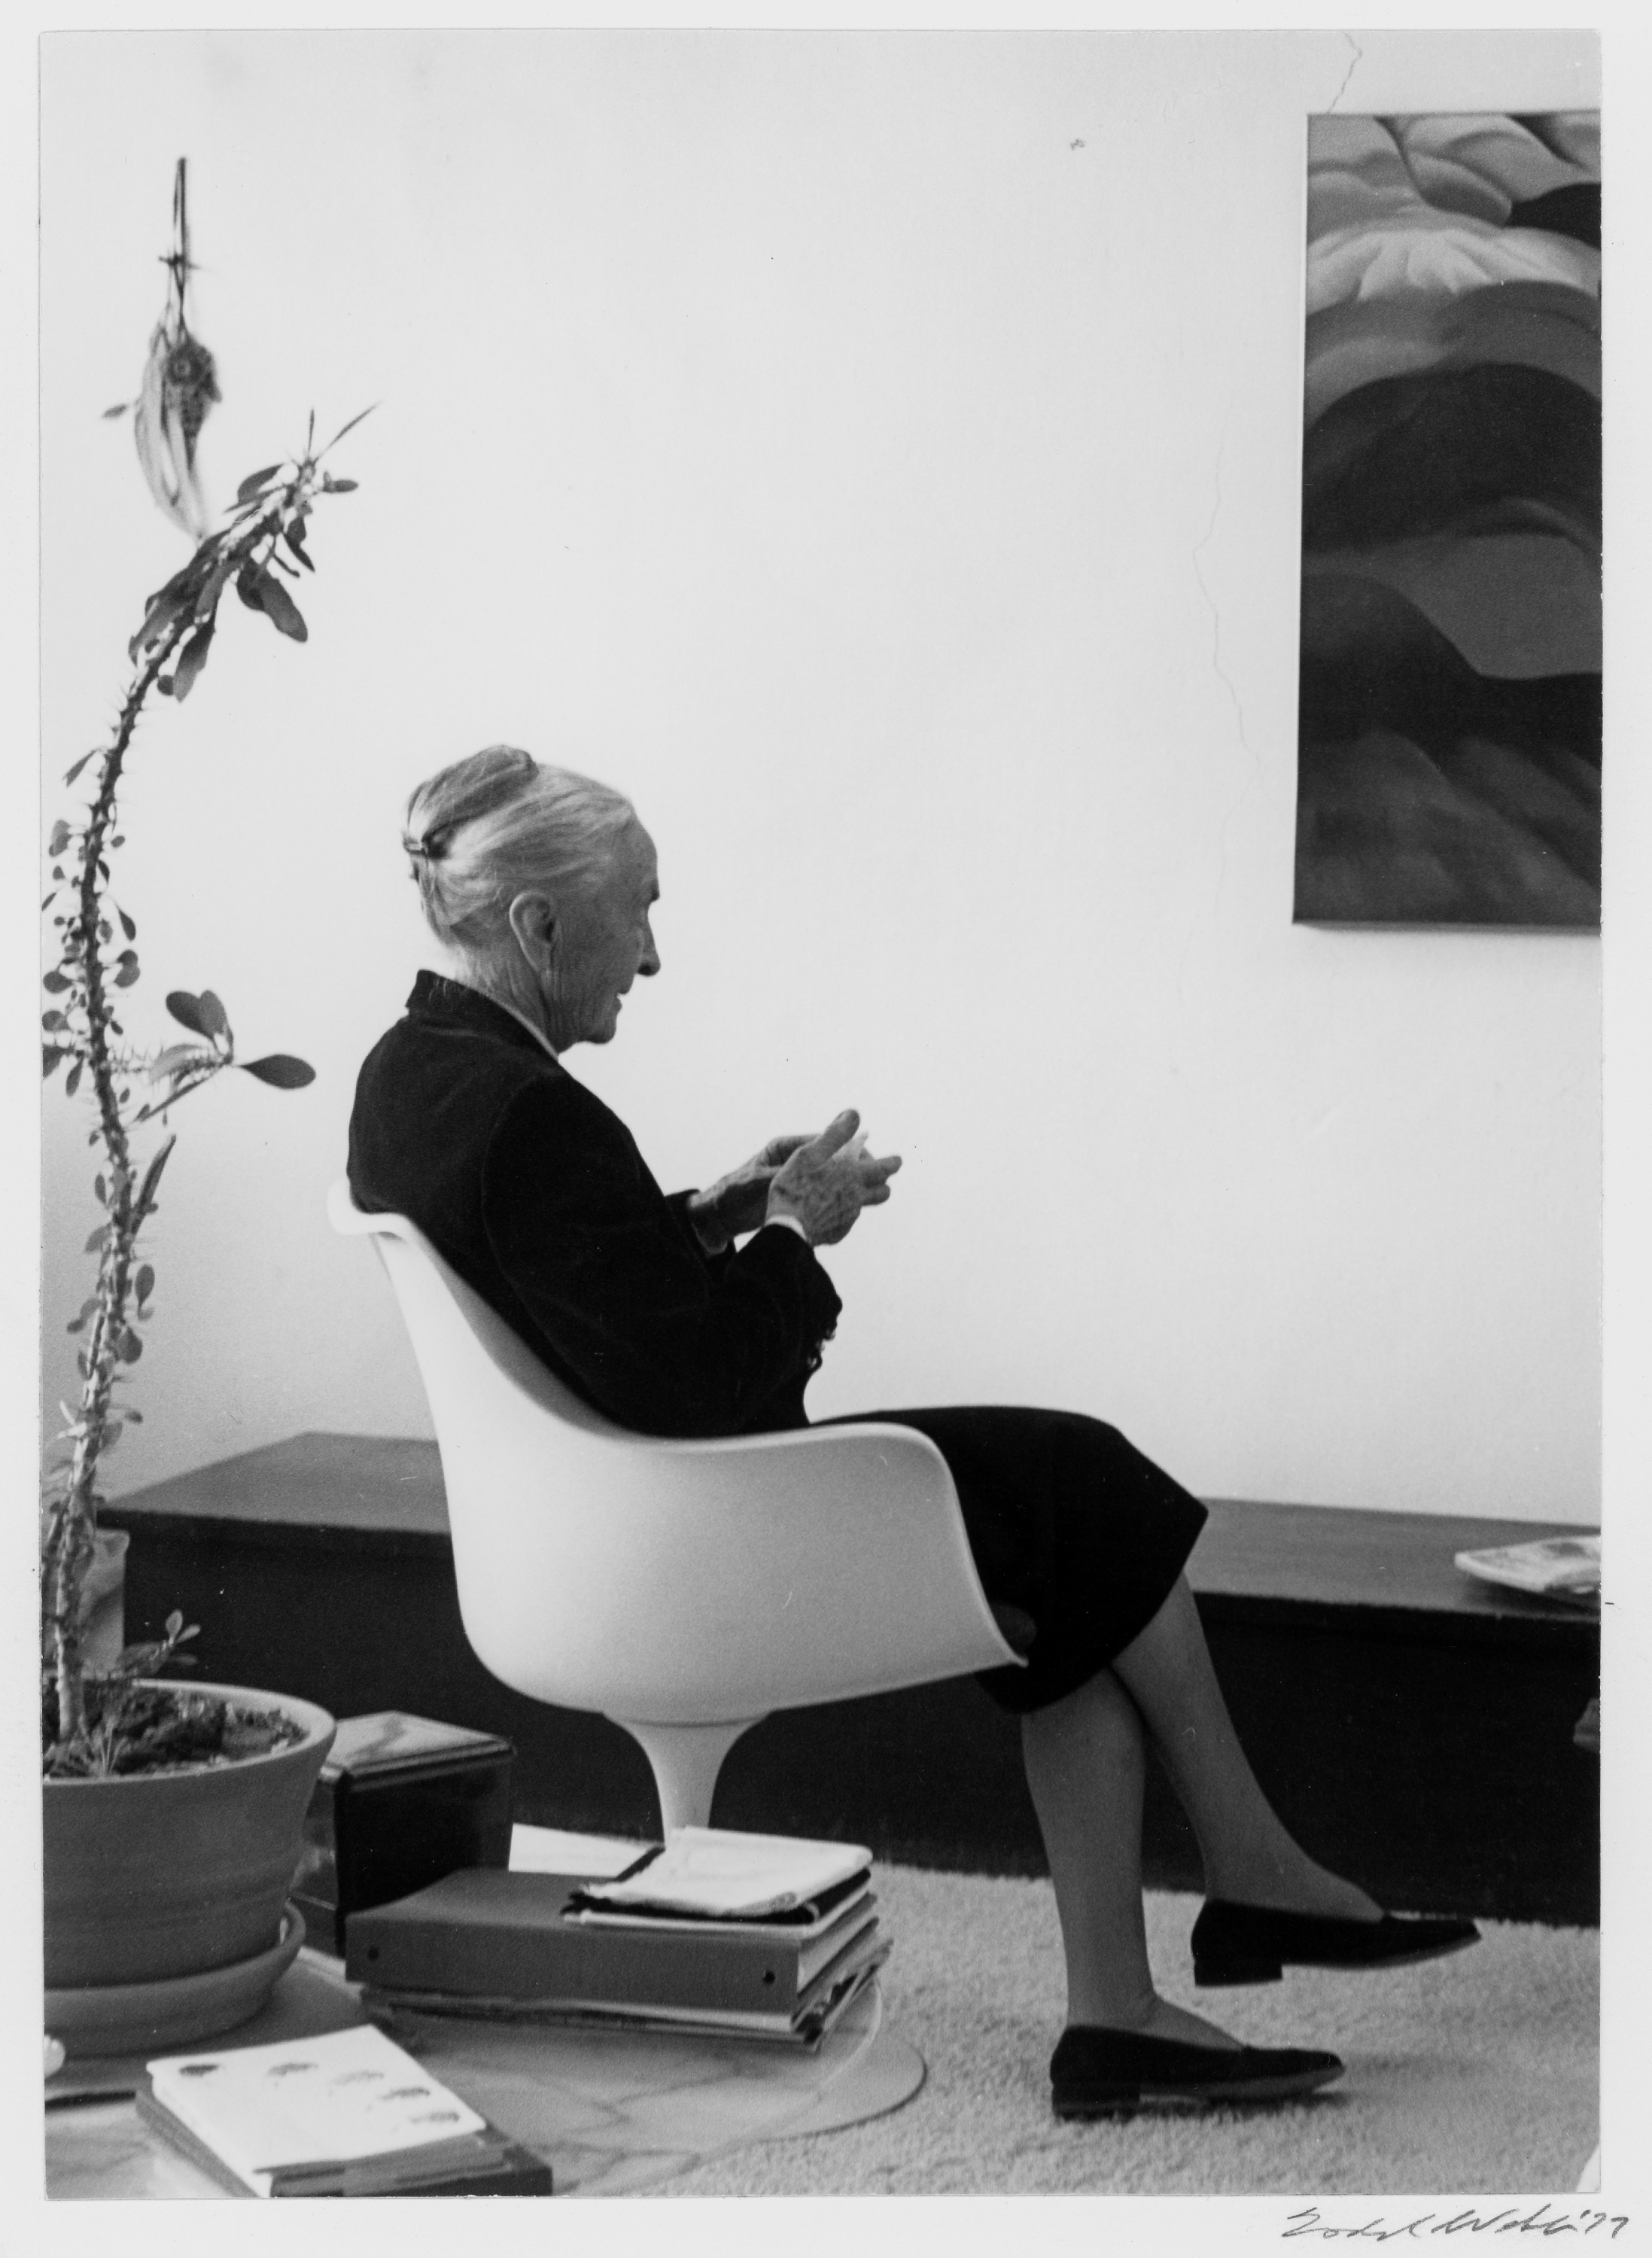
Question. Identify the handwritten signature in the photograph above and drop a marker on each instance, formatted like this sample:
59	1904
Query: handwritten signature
1511	2221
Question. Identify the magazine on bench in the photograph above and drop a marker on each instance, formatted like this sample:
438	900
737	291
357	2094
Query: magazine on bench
1556	1568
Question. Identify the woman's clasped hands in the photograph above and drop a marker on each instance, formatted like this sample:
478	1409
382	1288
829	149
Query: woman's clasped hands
823	1181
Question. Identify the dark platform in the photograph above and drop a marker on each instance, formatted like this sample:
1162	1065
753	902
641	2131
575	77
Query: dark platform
1413	1728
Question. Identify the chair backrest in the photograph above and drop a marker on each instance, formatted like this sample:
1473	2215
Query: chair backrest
677	1581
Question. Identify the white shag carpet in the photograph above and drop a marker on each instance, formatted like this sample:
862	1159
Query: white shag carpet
1475	2072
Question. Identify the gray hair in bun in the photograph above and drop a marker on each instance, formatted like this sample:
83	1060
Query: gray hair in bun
495	825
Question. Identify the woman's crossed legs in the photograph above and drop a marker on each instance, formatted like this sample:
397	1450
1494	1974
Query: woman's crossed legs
1085	1759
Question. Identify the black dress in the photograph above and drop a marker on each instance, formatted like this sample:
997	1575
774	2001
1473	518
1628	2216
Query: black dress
536	1194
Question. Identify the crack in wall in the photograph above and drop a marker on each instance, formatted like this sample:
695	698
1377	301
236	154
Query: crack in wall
1359	56
1221	672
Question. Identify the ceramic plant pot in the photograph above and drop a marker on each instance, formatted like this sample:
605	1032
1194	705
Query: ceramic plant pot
164	1875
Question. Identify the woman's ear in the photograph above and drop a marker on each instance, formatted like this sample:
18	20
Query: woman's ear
533	921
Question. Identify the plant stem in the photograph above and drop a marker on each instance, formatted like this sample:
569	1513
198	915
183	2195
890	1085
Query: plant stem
70	1544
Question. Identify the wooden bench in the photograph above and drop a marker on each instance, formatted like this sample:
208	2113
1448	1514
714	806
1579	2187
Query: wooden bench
1413	1727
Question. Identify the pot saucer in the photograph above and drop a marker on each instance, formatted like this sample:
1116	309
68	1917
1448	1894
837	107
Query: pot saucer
106	2018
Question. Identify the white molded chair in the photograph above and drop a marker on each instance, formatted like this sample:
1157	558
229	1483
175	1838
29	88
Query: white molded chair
684	1589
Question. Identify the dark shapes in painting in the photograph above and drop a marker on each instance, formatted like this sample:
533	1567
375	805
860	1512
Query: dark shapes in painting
1456	451
1574	211
1456	797
1449	712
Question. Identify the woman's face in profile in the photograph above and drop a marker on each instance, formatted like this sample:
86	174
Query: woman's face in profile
609	943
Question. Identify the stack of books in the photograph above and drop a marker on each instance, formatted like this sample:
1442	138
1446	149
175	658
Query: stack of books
726	1935
349	2114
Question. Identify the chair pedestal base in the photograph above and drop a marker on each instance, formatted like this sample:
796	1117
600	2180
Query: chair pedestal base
686	1760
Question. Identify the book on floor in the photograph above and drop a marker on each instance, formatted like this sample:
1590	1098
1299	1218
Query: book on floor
348	2115
489	1941
1559	1567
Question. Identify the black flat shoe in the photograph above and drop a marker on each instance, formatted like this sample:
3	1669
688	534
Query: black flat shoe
1104	2073
1249	1944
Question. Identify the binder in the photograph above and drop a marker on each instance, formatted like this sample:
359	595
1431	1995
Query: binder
508	1939
827	2001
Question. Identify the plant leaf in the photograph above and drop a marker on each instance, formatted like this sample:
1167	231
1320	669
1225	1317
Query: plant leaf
185	1009
127	924
341	485
109	414
70	774
342	428
163	608
54	983
250	486
182	578
144	1285
174	1058
280	1070
73	1083
188	1078
248	587
191	660
214	1020
60	839
151	1178
129	1348
282	609
51	1059
126	977
52	1019
207	601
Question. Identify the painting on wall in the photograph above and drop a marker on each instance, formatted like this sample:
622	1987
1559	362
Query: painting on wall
1448	730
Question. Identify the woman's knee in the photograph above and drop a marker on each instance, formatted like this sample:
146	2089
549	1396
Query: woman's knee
1099	1709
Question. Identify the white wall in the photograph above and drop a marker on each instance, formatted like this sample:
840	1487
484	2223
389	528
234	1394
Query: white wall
900	501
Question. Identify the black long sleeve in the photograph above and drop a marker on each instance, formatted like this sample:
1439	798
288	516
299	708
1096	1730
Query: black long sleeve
661	1337
535	1192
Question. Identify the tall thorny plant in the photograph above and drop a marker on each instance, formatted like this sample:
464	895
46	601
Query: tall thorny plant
260	549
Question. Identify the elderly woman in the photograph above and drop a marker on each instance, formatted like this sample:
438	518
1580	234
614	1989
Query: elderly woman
704	1314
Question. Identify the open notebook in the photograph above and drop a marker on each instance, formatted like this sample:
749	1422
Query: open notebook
716	1874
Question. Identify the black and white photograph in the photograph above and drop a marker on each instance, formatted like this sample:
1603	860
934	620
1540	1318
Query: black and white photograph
823	923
